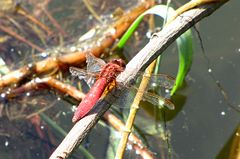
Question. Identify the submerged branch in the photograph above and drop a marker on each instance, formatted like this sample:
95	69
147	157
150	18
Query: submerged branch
20	38
76	58
158	43
47	82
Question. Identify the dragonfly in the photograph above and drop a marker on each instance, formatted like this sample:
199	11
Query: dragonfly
106	74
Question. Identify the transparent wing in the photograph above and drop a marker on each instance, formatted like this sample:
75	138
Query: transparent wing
164	84
88	77
94	64
127	96
160	80
158	100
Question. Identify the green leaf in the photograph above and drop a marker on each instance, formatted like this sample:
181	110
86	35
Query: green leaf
185	51
113	144
159	10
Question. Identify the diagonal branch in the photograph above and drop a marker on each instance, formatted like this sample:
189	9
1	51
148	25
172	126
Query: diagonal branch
161	40
158	43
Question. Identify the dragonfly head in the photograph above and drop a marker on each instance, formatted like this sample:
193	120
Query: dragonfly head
118	62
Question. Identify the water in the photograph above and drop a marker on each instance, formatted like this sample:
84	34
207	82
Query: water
202	124
205	123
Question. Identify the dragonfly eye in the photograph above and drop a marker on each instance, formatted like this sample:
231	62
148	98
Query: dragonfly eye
119	62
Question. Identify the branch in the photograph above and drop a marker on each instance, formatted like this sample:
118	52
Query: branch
157	44
161	40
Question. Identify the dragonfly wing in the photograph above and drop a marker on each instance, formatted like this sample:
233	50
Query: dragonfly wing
128	94
94	64
125	99
158	100
89	78
162	80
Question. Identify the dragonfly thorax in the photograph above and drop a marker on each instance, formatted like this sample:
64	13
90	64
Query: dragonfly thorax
112	69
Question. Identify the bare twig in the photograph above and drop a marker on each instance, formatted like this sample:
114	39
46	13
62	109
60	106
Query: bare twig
161	40
158	43
54	22
20	38
23	12
134	140
133	111
127	129
49	82
91	10
38	7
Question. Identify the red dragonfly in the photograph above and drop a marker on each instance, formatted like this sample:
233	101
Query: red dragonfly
105	74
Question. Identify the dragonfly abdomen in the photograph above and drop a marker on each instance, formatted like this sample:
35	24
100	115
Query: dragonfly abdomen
107	75
90	99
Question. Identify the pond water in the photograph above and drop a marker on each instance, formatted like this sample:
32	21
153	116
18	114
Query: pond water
201	127
206	123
